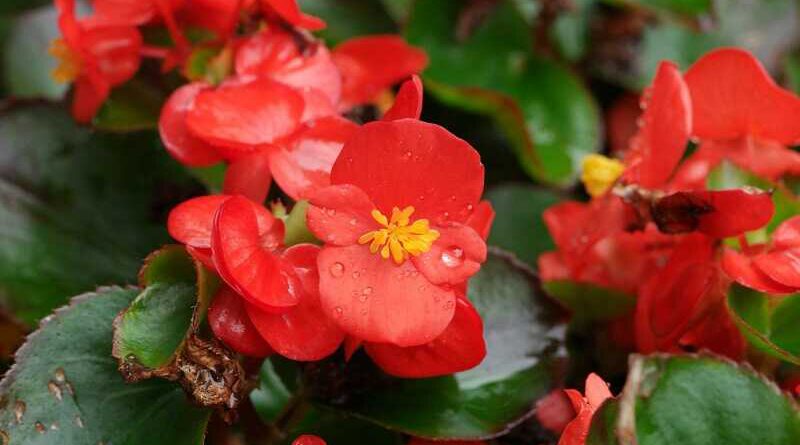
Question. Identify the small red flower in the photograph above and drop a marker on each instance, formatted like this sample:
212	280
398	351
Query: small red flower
408	102
772	268
740	114
393	223
371	64
95	56
596	393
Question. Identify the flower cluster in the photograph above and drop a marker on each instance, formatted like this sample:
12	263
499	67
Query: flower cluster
653	229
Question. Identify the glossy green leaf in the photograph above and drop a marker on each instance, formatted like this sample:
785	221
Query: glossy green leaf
768	323
518	225
524	335
349	18
131	107
26	62
546	112
339	429
78	209
273	394
65	388
588	302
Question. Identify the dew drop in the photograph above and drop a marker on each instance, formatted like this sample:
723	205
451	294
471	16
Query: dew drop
421	197
356	274
330	212
336	270
470	207
54	426
338	311
453	256
366	291
353	222
452	197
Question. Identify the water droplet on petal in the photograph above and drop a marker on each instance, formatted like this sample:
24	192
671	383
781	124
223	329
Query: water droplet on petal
336	270
452	197
338	311
353	222
452	256
449	305
356	274
330	212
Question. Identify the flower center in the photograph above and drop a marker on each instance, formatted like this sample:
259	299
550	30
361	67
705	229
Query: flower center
399	238
600	173
69	63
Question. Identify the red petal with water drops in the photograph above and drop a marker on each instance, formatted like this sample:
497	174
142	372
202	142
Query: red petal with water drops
740	268
175	135
782	266
454	257
666	123
412	163
289	11
303	164
303	333
458	348
787	235
113	51
371	64
379	301
249	176
278	55
735	211
733	96
340	214
191	221
245	257
244	116
408	102
307	439
230	323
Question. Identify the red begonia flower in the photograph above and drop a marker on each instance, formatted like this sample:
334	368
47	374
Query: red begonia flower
408	102
596	393
458	348
738	109
289	11
676	297
230	323
307	439
718	333
96	57
304	332
665	126
175	135
244	255
243	116
371	64
397	187
133	12
775	268
482	218
219	16
276	54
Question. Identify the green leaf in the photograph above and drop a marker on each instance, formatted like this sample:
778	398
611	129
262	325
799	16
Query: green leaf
273	394
689	7
588	302
570	30
349	18
339	429
768	323
65	388
296	229
26	62
518	225
78	208
131	107
524	335
702	400
546	112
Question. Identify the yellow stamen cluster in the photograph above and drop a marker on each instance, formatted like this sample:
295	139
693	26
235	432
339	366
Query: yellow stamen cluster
69	63
399	238
600	173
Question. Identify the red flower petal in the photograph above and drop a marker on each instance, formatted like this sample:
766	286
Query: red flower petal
371	64
735	211
767	159
454	257
340	214
482	218
219	16
621	124
666	122
303	333
290	12
741	269
408	102
787	235
782	266
378	301
555	411
175	135
717	333
136	12
733	96
114	51
88	97
693	172
414	163
596	390
249	176
276	54
244	256
307	439
202	254
244	116
552	267
230	323
458	348
190	222
303	165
